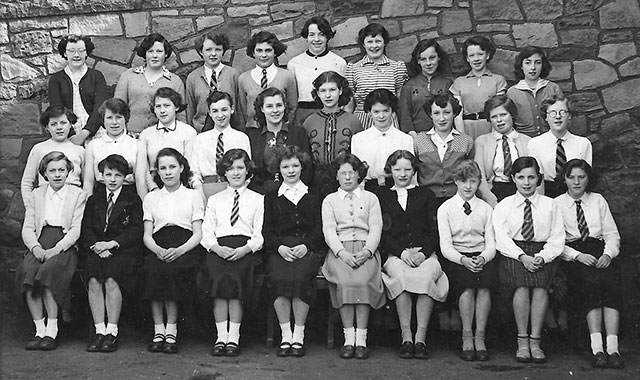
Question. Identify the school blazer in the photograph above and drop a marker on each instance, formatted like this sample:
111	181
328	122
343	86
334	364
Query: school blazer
72	213
485	151
125	222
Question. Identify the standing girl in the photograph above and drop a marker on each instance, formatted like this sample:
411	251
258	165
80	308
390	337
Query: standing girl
232	236
352	225
51	228
530	235
172	232
473	89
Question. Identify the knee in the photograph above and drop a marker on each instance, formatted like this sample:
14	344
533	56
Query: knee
111	285
94	285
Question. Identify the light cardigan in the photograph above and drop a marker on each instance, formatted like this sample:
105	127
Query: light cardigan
198	89
34	217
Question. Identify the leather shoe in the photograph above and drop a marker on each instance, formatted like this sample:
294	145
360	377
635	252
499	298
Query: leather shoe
156	345
615	361
482	355
48	344
170	348
468	355
109	344
232	349
218	349
361	352
284	349
96	343
406	350
420	351
599	360
347	351
298	350
33	343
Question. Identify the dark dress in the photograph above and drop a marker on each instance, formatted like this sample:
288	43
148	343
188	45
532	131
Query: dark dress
264	147
288	224
124	227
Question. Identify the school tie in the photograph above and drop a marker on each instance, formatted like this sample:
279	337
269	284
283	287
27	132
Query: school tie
235	210
219	148
506	152
263	81
527	223
214	81
561	157
582	222
110	204
467	208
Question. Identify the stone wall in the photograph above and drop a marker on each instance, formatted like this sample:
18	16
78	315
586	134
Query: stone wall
591	43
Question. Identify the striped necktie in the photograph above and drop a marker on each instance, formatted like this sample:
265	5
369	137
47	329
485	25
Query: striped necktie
110	205
467	208
219	148
561	157
214	81
506	151
582	222
263	81
527	223
235	210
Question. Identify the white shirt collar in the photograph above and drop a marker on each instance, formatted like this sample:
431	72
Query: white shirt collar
270	70
116	194
300	186
511	135
61	193
533	199
109	139
460	201
409	187
357	192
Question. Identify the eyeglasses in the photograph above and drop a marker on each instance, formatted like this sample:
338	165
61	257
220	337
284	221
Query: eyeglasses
554	113
76	51
349	173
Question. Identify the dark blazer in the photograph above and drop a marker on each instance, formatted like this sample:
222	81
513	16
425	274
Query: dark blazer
283	218
125	222
93	91
415	227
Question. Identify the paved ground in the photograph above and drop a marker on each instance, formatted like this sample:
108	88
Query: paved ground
132	361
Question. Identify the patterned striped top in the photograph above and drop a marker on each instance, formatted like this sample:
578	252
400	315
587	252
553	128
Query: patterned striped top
365	76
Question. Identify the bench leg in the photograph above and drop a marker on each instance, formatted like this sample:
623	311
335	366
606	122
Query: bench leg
270	322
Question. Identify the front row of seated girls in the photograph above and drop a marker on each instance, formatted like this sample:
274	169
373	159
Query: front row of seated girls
530	230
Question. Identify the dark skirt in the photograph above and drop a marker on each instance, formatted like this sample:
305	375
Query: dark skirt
590	287
122	267
54	274
220	278
296	279
513	274
462	278
174	281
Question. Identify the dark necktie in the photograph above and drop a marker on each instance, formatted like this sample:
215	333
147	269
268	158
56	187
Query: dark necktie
263	81
214	81
561	157
467	208
506	152
582	222
219	148
527	223
235	210
110	204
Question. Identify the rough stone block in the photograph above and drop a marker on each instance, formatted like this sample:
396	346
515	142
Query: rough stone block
589	74
256	10
58	33
281	11
172	28
454	22
33	88
560	71
617	36
615	53
503	40
136	24
4	33
166	12
40	23
542	9
502	63
579	6
401	49
241	61
485	28
571	53
55	63
10	149
420	23
262	20
114	49
175	3
622	96
19	119
111	72
620	14
542	35
294	47
192	12
31	43
577	21
343	8
8	91
347	31
630	68
283	31
616	125
237	32
398	8
583	102
492	10
242	2
350	54
96	25
190	56
580	37
579	125
440	3
208	22
15	71
432	34
392	26
447	45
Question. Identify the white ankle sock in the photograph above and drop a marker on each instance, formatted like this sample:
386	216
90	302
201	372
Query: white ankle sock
287	335
234	332
40	327
159	329
112	328
223	331
172	329
361	337
349	336
612	344
100	328
52	328
596	343
298	334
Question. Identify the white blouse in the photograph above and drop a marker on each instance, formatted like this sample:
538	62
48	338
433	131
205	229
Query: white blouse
178	208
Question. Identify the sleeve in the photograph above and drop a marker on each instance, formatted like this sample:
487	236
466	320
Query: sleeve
555	243
406	111
132	233
29	224
30	174
72	236
179	87
245	144
147	208
122	87
87	235
609	229
194	162
375	224
99	96
257	240
242	101
489	238
269	229
504	242
330	225
388	242
446	236
190	139
238	116
455	88
54	93
209	226
588	154
400	77
291	93
501	85
349	74
197	206
190	98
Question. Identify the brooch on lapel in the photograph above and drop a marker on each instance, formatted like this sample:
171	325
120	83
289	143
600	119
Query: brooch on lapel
125	222
272	142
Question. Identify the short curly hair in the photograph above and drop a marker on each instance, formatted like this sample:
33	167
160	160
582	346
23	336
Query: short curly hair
62	45
353	160
117	106
278	46
323	26
53	157
259	117
229	157
216	38
171	94
467	169
414	68
527	52
115	162
373	30
339	80
57	111
484	43
292	151
497	101
185	176
148	42
397	155
382	96
578	163
441	100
